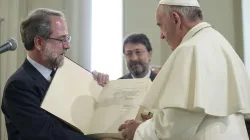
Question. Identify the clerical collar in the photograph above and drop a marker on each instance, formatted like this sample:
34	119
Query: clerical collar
146	76
43	70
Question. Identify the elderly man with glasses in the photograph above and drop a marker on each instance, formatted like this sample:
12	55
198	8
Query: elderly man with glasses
45	37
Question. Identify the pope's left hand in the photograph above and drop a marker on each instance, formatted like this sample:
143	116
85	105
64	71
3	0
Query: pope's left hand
146	116
101	78
128	129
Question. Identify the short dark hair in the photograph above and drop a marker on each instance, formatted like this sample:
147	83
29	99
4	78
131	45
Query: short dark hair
138	38
37	23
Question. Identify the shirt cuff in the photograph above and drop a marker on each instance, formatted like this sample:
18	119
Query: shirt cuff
145	131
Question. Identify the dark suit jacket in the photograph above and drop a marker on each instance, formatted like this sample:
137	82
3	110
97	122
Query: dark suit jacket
25	120
129	76
247	121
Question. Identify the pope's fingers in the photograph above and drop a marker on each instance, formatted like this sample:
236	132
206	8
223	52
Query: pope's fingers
129	121
145	117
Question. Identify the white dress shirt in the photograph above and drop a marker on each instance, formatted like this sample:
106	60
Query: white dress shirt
43	70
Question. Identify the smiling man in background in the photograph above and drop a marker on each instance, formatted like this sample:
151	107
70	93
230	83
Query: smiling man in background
138	53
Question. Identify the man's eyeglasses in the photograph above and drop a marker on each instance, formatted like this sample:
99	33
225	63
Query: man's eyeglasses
137	53
64	40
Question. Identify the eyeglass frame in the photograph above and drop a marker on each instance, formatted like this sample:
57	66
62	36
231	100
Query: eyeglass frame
138	53
67	39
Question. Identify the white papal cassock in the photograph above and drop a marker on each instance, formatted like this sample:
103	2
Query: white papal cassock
201	92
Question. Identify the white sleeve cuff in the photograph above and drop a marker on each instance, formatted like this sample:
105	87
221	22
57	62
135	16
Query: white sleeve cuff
145	131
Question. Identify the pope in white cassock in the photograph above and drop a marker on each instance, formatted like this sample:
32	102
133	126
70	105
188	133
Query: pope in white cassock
202	91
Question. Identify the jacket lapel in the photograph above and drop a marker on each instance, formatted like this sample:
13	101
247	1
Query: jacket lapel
129	76
152	76
36	75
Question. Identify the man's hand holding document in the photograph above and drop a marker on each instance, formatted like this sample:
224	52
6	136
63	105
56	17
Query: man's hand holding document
75	97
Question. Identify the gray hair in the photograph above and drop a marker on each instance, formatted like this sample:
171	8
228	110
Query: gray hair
37	23
192	13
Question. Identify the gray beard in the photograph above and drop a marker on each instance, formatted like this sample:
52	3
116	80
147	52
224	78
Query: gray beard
141	74
54	63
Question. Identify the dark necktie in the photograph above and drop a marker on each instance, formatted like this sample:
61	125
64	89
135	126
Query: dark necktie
53	73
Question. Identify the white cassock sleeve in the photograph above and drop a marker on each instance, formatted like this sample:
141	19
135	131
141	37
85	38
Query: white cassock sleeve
170	124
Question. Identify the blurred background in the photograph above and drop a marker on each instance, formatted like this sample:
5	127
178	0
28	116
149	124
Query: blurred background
98	28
